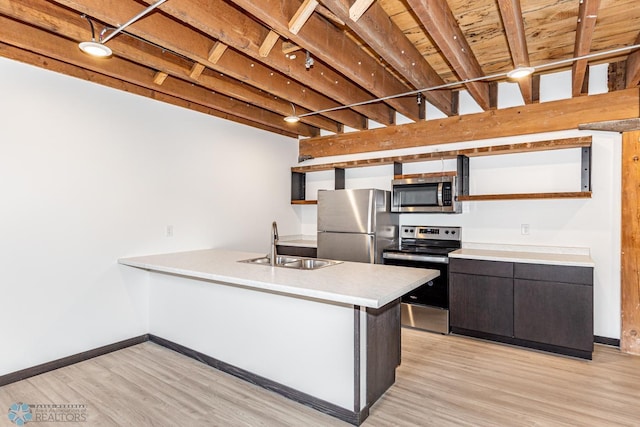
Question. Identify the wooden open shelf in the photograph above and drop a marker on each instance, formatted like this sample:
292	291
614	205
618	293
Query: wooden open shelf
523	196
426	175
525	147
298	172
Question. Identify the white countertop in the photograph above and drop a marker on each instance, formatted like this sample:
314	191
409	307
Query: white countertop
301	240
368	285
553	255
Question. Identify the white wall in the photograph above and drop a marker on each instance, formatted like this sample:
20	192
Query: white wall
593	223
89	174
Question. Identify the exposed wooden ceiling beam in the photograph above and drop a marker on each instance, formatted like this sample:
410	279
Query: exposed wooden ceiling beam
332	46
628	125
524	120
61	49
633	67
358	8
197	47
71	25
511	13
329	15
387	40
587	14
228	24
302	15
439	21
54	65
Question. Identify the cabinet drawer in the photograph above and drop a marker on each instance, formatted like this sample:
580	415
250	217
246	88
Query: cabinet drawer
481	267
554	273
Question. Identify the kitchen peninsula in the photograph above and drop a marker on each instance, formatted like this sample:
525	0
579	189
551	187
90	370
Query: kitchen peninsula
329	338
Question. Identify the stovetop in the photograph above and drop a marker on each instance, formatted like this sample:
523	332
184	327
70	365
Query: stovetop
432	240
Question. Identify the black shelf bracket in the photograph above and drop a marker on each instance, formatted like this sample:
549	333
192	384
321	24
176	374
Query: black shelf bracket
463	175
298	185
585	174
397	169
339	179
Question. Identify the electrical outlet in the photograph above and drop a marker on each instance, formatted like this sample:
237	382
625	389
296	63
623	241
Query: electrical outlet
169	231
524	229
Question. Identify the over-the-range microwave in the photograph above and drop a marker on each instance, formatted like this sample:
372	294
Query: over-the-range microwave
425	194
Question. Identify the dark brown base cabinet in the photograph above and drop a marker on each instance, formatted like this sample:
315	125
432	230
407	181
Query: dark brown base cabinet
304	251
547	307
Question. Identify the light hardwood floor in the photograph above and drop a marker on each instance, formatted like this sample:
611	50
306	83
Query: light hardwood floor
443	381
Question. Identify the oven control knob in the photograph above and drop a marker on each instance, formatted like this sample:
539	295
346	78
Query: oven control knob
446	232
453	231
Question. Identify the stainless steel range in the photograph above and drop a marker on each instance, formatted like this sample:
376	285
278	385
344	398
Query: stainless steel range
426	307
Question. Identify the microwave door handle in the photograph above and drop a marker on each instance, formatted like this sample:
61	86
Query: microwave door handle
440	187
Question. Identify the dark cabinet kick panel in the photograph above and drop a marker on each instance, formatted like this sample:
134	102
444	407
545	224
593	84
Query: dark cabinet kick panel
548	307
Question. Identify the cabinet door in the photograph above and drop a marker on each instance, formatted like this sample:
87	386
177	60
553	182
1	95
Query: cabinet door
554	313
481	303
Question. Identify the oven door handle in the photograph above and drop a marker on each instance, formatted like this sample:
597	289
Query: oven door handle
414	257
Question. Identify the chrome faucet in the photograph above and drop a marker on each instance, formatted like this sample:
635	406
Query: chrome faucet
274	242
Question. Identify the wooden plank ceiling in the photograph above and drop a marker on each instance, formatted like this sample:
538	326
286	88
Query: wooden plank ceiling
253	62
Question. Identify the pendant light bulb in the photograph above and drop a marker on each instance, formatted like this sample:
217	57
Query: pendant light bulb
96	49
294	117
520	72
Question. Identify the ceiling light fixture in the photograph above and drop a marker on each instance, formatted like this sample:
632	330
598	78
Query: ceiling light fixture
463	82
520	72
99	49
94	48
294	118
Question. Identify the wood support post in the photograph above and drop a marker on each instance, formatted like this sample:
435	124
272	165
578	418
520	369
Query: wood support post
630	244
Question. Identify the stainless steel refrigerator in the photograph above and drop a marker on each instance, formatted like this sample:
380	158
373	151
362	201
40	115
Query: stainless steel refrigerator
355	225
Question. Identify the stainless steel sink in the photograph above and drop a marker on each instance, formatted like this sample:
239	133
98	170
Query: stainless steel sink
299	263
310	263
280	259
